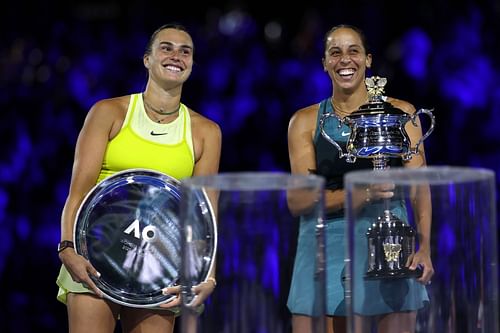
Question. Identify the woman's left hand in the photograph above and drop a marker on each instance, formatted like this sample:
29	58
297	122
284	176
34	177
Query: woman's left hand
423	260
200	291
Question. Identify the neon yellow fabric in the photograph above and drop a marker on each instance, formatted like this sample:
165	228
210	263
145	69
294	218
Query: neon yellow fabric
131	148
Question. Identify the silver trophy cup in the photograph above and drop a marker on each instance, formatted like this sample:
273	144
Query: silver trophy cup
378	129
378	133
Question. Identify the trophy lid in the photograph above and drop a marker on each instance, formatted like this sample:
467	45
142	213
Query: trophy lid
376	101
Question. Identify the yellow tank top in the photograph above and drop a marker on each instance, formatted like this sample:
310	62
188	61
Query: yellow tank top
144	144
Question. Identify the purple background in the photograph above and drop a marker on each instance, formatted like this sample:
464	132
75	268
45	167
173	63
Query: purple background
254	66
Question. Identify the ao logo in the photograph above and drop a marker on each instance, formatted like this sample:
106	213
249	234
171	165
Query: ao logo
148	233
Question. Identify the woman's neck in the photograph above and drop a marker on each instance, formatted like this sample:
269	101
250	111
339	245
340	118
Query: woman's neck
345	104
166	100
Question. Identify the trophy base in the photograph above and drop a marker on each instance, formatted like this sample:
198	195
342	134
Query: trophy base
404	273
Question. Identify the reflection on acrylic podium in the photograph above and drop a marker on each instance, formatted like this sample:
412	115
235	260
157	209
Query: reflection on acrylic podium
462	295
257	218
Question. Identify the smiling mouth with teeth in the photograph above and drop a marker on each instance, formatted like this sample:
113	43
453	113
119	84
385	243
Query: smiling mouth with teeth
346	72
173	68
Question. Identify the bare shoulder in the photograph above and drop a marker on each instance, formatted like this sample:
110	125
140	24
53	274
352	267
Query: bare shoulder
308	111
305	117
202	124
401	104
111	108
107	116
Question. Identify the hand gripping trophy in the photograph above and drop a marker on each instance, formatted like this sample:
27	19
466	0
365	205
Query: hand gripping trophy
378	133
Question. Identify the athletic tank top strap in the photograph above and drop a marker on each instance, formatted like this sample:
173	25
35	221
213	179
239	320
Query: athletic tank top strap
138	146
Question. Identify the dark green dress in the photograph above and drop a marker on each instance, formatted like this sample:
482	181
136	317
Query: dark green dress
371	297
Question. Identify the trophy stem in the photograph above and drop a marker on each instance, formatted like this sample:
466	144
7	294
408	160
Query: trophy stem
380	162
387	208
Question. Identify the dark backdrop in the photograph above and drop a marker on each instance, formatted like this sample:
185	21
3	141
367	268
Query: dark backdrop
254	67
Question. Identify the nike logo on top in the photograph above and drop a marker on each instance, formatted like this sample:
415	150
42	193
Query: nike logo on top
345	133
153	133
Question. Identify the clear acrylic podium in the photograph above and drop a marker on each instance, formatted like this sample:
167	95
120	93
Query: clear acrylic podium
382	295
257	216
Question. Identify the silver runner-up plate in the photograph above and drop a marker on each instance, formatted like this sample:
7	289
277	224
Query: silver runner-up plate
128	228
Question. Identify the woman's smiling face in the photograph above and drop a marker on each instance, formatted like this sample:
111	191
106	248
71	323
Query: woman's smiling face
346	58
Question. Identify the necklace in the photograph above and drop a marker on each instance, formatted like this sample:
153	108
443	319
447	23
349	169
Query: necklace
158	120
340	112
159	111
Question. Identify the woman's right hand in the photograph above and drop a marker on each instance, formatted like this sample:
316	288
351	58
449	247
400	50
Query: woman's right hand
80	269
379	191
363	196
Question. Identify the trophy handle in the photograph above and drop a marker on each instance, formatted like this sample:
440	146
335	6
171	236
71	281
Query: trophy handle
429	131
327	137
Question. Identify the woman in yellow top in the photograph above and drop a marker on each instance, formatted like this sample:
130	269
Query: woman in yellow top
152	130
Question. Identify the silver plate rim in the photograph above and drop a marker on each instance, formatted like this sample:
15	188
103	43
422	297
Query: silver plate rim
166	298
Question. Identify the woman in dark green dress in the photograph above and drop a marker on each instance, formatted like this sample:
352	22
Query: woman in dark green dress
346	59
